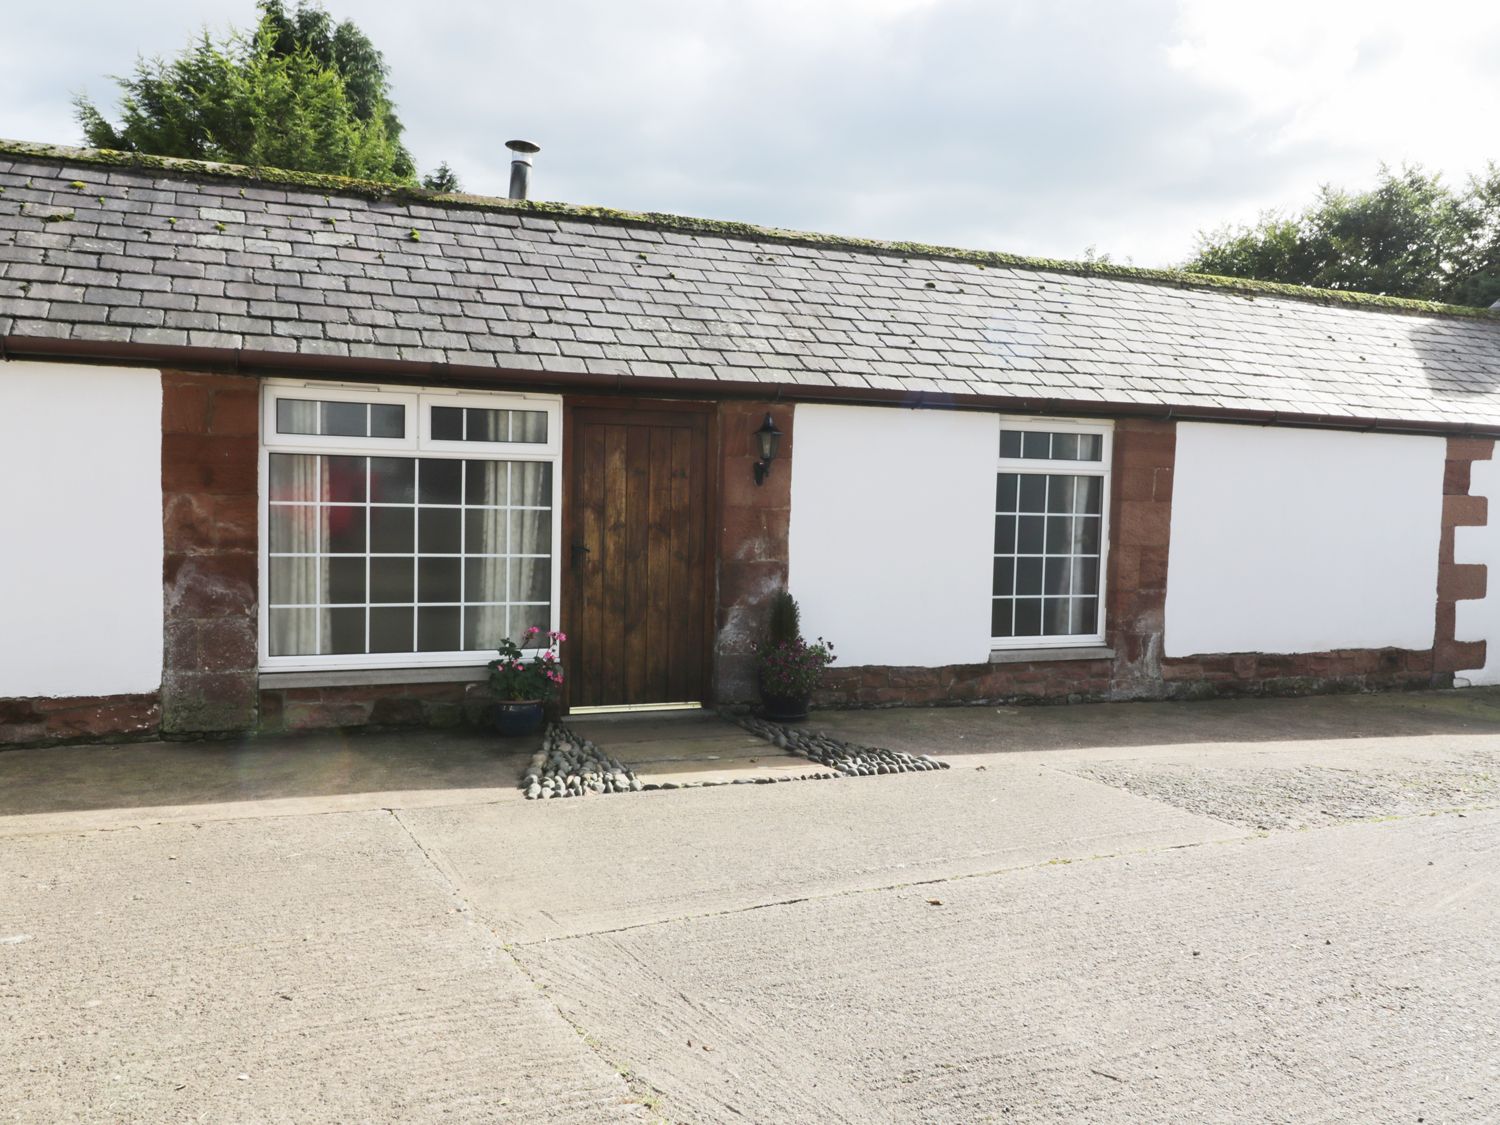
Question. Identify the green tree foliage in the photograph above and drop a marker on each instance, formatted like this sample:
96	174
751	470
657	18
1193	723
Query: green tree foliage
1409	236
442	178
299	92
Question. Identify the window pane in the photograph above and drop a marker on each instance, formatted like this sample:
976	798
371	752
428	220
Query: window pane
484	580
1010	443
1085	576
393	480
391	580
391	629
486	482
1033	493
1005	534
1036	445
293	528
439	482
344	581
487	425
1028	576
346	419
1065	447
1004	577
530	532
1059	535
294	476
530	579
485	531
437	580
528	426
437	629
523	617
484	626
1057	576
531	484
1055	614
1000	618
294	581
1087	496
1059	494
392	531
447	423
293	632
1028	617
438	531
1005	492
1029	535
344	479
1090	447
387	420
296	417
344	630
343	530
1085	616
1088	535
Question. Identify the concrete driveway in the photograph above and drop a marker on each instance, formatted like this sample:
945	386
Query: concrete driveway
1251	911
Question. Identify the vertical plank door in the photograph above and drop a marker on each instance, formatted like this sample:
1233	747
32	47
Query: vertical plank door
636	555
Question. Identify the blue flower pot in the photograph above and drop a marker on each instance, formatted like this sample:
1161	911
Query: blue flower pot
516	718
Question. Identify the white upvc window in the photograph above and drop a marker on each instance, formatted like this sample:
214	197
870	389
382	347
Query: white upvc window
405	527
1051	533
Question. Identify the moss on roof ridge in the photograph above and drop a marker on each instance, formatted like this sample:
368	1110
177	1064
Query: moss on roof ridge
377	189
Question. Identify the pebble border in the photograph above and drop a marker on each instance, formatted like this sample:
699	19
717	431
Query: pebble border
851	759
568	765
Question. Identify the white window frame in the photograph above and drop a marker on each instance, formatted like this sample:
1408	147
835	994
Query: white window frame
1103	469
416	443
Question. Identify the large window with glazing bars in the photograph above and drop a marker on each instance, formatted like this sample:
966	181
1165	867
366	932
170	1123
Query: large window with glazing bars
1051	534
401	528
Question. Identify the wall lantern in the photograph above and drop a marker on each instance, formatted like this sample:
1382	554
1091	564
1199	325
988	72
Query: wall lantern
769	439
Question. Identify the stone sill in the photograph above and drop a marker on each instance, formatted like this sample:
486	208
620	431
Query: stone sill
1037	655
364	677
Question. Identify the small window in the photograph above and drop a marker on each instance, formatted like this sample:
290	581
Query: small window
1051	501
340	419
482	424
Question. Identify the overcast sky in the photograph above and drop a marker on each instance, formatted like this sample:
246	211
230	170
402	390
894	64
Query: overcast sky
1035	126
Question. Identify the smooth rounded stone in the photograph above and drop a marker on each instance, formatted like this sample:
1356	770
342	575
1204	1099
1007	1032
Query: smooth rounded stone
619	778
882	768
636	785
649	787
669	785
533	792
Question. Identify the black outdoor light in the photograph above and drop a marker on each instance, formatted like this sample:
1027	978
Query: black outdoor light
769	438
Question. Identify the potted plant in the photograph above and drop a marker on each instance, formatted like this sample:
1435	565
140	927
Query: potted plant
788	667
521	686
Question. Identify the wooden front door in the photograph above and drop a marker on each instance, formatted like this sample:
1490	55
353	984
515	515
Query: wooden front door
637	556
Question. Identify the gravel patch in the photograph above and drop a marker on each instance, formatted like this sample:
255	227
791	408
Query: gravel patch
571	766
850	759
1307	796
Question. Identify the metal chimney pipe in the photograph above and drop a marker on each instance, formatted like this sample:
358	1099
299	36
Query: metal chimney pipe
520	167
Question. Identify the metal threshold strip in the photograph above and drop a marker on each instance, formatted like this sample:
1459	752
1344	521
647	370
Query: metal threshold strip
633	708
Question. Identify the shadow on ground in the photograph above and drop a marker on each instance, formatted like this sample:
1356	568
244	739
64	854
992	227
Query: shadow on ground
469	764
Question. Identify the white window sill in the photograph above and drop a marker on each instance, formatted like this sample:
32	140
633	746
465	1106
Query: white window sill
1036	655
361	677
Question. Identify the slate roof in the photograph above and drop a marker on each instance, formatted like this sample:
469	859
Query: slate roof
105	252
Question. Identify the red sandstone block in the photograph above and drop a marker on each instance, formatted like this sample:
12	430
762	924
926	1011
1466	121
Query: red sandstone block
209	463
227	644
236	522
1457	656
106	716
325	716
1465	511
1456	477
184	408
1142	523
271	703
210	586
235	411
1471	449
749	583
1136	483
187	522
1459	581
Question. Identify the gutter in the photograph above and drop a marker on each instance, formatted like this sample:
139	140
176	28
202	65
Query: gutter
238	361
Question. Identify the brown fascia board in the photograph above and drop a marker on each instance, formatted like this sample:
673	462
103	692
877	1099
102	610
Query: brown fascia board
260	363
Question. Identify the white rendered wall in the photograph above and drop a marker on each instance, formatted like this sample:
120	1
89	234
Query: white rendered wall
1478	619
80	530
1287	540
892	532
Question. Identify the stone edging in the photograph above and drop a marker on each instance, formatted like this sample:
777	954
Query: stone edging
570	766
851	759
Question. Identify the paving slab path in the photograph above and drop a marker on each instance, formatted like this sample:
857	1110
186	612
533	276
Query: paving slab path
1272	911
